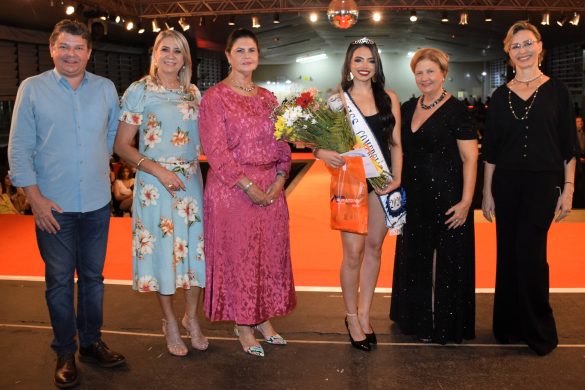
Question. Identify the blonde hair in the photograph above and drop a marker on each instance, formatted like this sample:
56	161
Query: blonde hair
181	41
428	53
519	26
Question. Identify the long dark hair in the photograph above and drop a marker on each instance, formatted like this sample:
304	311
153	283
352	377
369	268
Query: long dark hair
381	98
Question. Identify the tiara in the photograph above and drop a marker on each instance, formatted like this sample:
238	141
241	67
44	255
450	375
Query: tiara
363	41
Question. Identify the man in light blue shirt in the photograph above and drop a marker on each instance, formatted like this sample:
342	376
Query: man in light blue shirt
62	133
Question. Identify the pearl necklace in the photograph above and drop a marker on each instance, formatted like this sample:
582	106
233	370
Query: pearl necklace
527	82
433	104
527	108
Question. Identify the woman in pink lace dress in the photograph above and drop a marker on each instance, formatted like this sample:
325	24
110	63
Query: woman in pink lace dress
249	278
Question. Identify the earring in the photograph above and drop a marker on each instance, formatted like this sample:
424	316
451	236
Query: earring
350	76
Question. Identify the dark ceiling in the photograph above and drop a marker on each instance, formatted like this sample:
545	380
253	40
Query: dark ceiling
296	36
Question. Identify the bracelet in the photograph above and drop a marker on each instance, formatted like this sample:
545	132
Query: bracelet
569	182
140	162
247	186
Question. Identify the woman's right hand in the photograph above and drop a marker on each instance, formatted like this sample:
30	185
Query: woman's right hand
331	158
169	180
256	195
488	206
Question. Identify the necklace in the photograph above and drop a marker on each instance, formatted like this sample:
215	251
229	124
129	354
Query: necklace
527	82
244	88
527	109
433	104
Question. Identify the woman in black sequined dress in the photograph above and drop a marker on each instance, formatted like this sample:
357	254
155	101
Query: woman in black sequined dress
433	289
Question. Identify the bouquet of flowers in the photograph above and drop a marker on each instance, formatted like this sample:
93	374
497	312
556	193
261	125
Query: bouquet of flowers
307	119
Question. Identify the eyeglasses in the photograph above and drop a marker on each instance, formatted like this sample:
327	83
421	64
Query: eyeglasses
527	44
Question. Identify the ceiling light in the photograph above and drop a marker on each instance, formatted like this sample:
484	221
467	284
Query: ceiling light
169	27
185	26
545	19
313	58
487	16
118	19
232	21
70	10
256	22
463	18
313	17
155	26
444	17
276	19
413	17
129	25
377	16
575	19
140	28
562	20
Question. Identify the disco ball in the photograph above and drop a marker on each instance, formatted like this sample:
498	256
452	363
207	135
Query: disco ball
343	13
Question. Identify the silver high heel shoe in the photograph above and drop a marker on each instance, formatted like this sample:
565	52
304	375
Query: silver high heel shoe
175	344
275	339
254	350
200	343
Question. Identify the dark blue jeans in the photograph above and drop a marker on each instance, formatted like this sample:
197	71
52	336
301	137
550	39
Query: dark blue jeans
79	246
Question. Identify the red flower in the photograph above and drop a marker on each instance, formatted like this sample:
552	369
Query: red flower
304	100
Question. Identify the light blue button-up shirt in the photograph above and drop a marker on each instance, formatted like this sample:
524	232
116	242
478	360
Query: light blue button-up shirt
61	139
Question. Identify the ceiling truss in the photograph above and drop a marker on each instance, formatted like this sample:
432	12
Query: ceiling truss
185	8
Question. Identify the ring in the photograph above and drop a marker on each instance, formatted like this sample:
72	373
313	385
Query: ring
170	186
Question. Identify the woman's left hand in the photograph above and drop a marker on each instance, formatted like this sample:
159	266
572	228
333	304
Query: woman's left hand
390	186
564	205
458	216
273	192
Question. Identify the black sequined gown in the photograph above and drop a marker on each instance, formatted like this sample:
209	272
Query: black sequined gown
432	176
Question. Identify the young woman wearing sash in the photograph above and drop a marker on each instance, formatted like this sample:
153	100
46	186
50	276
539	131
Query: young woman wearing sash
363	85
530	150
433	288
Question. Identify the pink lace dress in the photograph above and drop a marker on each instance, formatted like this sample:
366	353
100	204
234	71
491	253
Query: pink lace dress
247	248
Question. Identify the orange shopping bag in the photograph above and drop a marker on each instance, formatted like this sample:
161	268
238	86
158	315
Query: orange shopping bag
349	197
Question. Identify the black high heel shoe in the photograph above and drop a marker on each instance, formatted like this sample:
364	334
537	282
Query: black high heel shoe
371	338
362	345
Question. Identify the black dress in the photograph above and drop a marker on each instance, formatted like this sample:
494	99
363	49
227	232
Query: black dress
434	305
382	135
528	154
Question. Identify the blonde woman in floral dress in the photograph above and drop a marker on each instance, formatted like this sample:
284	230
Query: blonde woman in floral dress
167	226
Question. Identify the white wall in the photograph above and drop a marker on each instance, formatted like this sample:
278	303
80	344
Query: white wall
463	80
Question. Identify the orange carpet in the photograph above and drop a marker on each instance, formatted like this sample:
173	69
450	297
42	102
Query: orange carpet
316	249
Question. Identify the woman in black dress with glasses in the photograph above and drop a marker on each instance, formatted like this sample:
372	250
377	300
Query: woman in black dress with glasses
530	150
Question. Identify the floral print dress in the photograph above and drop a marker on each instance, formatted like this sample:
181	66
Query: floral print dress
167	232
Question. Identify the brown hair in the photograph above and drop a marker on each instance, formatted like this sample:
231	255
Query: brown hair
240	33
72	27
428	53
519	26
